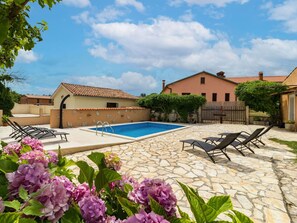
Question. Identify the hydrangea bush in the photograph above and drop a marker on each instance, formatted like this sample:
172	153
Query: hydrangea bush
37	186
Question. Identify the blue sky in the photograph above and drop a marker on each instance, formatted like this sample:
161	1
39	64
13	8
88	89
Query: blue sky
133	45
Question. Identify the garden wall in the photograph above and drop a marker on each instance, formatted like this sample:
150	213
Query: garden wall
31	109
89	117
39	120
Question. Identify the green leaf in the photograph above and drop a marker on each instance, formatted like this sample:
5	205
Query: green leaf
201	211
106	176
181	220
183	214
86	173
128	206
12	204
9	217
4	27
127	188
19	2
157	208
27	220
239	217
23	193
71	216
3	144
25	149
98	159
3	185
7	166
34	208
220	204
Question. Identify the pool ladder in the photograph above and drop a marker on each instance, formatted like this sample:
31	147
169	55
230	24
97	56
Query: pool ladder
104	125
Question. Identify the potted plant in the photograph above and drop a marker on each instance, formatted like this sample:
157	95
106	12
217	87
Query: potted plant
290	125
153	117
5	119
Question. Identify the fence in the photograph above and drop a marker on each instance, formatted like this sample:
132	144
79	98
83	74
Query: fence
225	112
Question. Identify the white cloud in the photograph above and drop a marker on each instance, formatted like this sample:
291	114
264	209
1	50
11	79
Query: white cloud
137	5
191	47
128	81
217	3
187	17
285	12
77	3
152	45
108	14
27	56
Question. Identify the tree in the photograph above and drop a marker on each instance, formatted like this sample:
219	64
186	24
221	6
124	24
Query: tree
262	96
15	31
16	97
7	97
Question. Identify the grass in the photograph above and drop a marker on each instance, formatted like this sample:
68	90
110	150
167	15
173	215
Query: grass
290	144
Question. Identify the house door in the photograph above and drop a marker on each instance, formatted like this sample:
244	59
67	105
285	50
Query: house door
291	115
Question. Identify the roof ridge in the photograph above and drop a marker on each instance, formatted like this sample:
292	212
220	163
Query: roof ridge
81	85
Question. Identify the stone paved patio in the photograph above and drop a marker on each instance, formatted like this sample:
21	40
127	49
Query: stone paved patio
262	185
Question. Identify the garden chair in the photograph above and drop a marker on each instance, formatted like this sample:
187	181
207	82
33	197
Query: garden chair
238	144
213	150
245	135
40	133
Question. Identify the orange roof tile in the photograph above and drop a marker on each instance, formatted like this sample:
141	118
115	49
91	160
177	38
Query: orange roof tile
279	79
82	90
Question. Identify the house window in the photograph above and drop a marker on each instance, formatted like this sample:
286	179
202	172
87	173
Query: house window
202	80
111	105
186	93
227	97
214	96
203	94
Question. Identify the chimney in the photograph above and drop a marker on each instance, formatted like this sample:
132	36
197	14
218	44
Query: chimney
221	74
163	84
260	76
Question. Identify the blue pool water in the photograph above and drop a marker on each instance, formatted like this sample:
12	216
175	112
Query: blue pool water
139	129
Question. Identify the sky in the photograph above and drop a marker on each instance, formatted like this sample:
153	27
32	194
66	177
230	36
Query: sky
133	45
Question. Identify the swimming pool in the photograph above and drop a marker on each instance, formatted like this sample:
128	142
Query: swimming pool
137	130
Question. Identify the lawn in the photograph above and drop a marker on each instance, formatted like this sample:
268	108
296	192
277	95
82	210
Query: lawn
291	144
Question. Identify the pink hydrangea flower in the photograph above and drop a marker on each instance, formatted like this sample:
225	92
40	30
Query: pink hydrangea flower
52	157
112	219
81	191
55	198
12	148
112	161
34	156
92	209
143	217
31	177
159	190
35	144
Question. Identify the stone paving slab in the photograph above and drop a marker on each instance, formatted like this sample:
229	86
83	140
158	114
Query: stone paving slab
261	185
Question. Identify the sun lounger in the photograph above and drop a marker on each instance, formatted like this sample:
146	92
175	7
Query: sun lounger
40	133
213	150
238	144
245	135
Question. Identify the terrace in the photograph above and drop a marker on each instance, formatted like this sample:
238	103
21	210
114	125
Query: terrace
261	185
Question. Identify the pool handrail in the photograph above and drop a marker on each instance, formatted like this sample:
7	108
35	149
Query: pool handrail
103	126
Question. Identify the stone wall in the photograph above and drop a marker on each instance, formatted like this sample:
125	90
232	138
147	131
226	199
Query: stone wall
89	117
